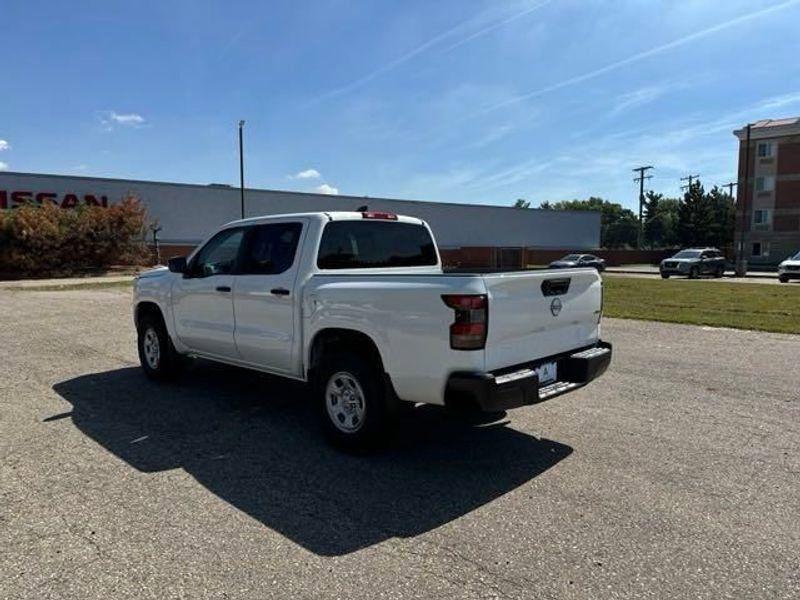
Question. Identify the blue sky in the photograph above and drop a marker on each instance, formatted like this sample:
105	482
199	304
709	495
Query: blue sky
453	100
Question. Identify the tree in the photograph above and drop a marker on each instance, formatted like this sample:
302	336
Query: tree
48	240
723	210
706	219
618	226
660	220
522	203
695	217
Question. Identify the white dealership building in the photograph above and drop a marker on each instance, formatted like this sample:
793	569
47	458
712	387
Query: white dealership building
470	235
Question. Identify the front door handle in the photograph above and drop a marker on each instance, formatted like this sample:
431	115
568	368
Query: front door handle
279	291
223	288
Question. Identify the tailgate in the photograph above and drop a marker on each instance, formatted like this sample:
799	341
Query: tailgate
540	313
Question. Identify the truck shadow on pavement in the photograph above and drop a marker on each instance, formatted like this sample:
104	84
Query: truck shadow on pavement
247	438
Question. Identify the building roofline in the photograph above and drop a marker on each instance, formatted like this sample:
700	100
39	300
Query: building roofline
764	130
216	186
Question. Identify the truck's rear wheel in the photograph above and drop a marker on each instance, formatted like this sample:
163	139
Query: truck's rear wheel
353	403
157	355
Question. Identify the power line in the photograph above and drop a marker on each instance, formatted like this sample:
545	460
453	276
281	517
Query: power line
690	179
640	180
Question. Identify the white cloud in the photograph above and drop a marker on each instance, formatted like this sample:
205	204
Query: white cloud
127	119
313	174
494	134
326	189
307	174
110	118
4	145
779	101
3	166
639	97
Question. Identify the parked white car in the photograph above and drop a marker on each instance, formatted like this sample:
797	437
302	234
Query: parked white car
789	269
357	304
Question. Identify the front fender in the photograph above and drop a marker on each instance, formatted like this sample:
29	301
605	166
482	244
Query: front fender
155	287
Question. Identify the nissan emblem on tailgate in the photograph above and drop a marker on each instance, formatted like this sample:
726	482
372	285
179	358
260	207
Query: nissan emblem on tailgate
555	306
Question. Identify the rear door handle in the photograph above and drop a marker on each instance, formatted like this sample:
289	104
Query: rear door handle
279	291
223	288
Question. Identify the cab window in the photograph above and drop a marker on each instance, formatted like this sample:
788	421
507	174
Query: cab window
219	255
270	249
374	244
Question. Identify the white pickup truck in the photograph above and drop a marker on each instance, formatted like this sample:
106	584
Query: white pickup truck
357	304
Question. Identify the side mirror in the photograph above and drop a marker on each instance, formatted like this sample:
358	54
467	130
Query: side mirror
177	264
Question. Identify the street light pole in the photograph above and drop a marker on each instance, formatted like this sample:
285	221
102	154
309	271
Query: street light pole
241	164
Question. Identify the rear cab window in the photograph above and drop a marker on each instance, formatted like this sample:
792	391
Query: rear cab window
371	244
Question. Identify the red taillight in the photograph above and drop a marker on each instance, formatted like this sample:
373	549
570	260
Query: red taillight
468	331
372	214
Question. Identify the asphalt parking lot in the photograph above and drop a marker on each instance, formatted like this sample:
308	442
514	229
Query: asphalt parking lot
677	475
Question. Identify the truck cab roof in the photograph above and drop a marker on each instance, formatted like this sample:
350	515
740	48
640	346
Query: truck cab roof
332	216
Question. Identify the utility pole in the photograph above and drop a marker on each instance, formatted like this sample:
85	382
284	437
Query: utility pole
640	180
241	164
741	261
690	179
730	185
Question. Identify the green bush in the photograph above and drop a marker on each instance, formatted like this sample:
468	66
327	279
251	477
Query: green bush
51	241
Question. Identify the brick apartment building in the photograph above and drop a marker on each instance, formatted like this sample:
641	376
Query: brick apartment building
768	199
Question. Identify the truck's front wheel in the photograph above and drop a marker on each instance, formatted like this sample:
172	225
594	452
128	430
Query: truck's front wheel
157	355
352	402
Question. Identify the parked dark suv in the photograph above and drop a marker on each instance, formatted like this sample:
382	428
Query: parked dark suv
694	262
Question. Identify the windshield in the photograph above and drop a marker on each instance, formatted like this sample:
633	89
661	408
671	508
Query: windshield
688	254
796	256
572	257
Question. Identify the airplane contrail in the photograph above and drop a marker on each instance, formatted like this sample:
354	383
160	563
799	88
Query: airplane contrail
640	56
493	26
391	65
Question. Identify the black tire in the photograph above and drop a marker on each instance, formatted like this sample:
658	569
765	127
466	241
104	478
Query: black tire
362	424
166	363
783	279
665	276
719	272
694	273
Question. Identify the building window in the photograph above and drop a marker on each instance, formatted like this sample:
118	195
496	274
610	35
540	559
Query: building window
765	184
764	149
761	217
760	249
